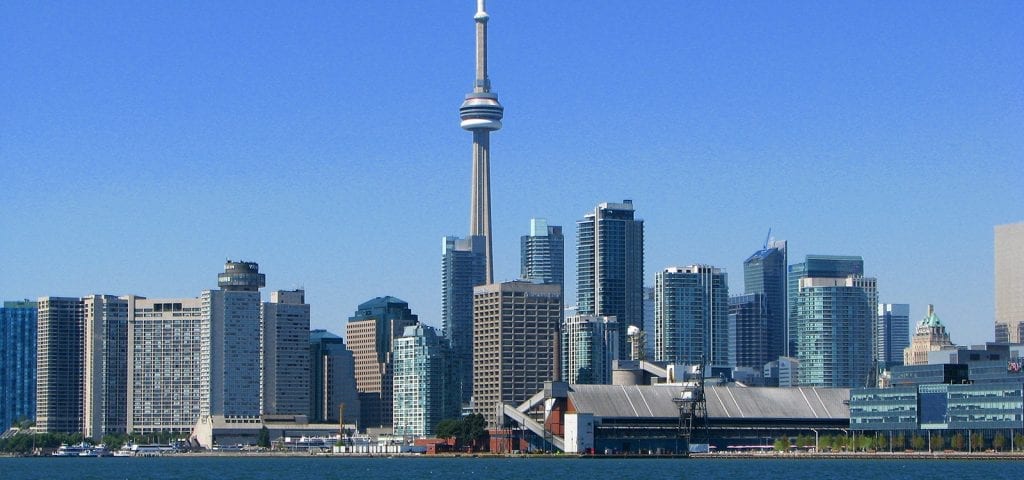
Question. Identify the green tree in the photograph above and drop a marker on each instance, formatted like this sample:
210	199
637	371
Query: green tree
781	444
917	442
977	442
938	443
472	429
1018	441
264	438
900	442
881	442
999	442
447	428
958	442
865	442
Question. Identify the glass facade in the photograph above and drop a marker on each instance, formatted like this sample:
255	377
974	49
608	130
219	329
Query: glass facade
421	383
749	343
610	266
691	316
821	266
17	362
463	266
764	272
892	333
589	345
542	253
989	406
834	324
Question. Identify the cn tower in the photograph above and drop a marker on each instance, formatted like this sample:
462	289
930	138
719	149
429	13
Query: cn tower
481	113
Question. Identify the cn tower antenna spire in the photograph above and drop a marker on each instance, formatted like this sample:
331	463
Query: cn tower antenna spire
481	114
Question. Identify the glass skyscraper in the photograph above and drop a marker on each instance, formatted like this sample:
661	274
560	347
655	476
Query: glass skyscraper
835	318
764	273
370	333
819	266
589	346
463	266
691	316
543	253
748	331
422	382
17	362
892	333
333	395
610	266
59	365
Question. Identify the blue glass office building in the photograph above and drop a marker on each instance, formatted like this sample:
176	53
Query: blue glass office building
764	273
17	362
463	266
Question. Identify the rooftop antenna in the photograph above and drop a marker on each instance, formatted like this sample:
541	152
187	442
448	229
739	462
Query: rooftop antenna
767	239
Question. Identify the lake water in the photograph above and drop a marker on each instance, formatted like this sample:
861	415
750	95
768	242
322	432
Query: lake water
465	468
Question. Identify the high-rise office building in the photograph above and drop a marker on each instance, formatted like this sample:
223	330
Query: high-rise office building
105	365
764	273
835	318
817	266
749	343
543	253
422	382
59	365
648	328
590	344
230	357
164	342
481	114
333	394
691	315
892	333
285	339
371	333
610	266
515	343
930	335
1009	266
463	266
17	362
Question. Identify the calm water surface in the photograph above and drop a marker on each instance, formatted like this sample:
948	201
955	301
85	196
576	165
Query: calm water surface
302	468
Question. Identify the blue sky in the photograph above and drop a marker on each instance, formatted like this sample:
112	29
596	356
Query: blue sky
144	143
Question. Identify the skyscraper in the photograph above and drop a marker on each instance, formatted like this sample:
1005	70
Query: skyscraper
749	332
610	266
463	266
59	365
1009	266
892	333
764	272
17	362
930	335
590	344
818	266
481	114
543	253
834	322
230	358
691	315
164	342
105	365
333	392
515	343
422	381
285	340
371	333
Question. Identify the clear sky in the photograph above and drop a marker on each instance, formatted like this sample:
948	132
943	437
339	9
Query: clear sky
143	143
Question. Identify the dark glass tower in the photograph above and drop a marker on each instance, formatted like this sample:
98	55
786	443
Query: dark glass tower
17	362
764	273
610	266
463	266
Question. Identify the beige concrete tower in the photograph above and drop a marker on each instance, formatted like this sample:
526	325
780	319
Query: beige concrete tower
1009	266
481	114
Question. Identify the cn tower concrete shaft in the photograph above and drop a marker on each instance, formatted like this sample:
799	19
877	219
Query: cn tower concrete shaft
481	114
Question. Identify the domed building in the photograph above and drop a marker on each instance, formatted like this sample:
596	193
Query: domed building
930	336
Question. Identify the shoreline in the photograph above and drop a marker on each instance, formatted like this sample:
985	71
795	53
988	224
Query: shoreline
944	455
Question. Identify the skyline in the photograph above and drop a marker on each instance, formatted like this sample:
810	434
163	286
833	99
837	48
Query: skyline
142	145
